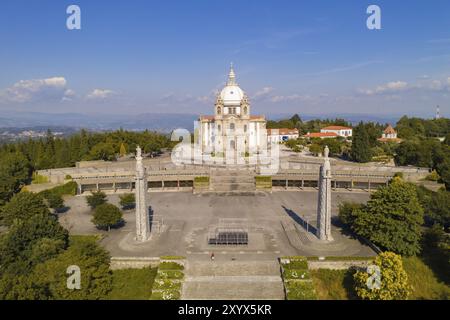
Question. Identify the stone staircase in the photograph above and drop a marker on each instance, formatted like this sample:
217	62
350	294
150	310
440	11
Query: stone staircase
232	181
233	280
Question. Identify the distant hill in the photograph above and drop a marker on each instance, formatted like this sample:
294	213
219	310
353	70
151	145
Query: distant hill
163	122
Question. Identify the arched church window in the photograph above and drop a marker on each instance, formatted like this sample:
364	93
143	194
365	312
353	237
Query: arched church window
231	126
219	110
218	127
245	110
245	128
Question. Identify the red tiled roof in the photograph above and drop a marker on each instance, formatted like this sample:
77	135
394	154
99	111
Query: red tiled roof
257	118
389	130
321	135
282	131
206	118
336	128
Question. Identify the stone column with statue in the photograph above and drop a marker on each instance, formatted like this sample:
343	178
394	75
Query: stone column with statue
324	201
142	212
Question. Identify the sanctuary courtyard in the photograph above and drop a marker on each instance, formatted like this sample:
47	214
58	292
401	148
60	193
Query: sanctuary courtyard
278	224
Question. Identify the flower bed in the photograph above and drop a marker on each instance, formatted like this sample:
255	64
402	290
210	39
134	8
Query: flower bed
168	281
297	279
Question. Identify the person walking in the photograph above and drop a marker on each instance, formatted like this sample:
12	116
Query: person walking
212	256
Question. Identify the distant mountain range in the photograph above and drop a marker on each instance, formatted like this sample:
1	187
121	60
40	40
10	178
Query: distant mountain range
163	122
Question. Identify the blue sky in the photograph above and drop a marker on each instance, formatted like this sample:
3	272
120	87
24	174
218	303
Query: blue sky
309	57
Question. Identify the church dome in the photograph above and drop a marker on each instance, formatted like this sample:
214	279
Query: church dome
232	94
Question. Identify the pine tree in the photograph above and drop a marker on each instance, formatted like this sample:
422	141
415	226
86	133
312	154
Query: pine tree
123	150
361	144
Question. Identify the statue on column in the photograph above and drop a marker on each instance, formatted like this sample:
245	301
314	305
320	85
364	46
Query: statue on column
142	212
324	202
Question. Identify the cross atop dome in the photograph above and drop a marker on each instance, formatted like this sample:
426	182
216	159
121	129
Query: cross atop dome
231	76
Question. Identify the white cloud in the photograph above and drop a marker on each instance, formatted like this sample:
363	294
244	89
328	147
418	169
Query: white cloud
292	97
263	93
435	85
205	99
100	94
35	89
388	88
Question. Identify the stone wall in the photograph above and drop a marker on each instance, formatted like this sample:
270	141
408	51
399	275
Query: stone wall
337	265
133	262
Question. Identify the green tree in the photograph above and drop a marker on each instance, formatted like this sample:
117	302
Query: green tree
102	151
93	261
23	245
14	172
392	218
315	149
123	150
54	201
347	212
447	139
127	200
106	215
434	236
361	151
334	145
436	206
95	199
393	281
22	206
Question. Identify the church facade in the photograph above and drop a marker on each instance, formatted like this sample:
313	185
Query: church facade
232	128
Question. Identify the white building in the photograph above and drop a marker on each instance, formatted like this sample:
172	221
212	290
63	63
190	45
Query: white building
281	135
232	128
340	131
389	135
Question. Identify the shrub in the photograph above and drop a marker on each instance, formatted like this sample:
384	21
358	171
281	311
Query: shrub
201	179
54	201
433	176
300	290
393	279
106	216
96	199
127	201
70	189
170	274
315	149
37	178
170	266
301	264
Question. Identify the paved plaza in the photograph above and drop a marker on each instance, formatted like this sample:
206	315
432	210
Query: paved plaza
278	224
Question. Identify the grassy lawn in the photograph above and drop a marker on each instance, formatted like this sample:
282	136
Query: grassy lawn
333	284
132	284
425	282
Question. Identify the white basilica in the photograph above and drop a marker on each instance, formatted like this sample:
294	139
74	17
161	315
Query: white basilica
232	128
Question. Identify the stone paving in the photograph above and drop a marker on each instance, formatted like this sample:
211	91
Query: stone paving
276	224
